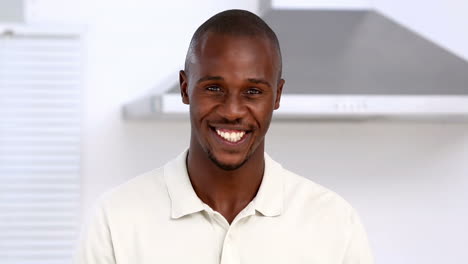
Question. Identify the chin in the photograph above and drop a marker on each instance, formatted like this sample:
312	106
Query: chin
227	165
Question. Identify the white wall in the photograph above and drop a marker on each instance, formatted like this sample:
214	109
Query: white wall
321	4
407	180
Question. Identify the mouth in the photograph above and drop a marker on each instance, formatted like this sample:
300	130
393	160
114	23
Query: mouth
231	136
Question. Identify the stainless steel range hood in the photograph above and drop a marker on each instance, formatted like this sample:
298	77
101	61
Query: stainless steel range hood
12	11
351	64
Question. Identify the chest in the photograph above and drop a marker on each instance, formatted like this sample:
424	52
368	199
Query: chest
256	239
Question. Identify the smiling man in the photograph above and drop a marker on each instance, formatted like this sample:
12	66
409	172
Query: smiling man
224	200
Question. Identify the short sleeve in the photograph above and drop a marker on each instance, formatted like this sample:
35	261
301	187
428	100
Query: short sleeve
358	250
95	243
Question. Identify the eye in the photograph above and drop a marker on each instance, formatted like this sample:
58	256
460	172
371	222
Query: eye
253	91
213	88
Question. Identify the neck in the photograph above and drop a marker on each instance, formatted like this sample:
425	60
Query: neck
225	191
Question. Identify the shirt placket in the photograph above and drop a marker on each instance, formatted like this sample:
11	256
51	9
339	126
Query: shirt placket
229	249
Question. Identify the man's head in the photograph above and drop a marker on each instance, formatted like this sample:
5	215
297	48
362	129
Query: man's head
232	82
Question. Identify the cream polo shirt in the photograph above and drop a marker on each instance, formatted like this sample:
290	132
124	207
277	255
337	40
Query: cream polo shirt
158	218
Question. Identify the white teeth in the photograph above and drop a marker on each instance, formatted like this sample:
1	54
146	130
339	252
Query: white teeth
231	136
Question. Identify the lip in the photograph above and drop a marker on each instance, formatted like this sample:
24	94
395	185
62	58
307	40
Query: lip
230	128
226	142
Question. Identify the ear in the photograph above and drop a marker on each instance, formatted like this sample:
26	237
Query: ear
183	87
279	91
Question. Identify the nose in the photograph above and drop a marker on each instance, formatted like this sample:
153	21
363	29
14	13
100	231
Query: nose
233	108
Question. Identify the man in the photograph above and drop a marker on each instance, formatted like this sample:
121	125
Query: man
224	200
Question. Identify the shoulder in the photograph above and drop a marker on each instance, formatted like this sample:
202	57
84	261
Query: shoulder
305	197
137	194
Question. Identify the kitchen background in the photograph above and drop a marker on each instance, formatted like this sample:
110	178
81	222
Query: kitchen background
407	179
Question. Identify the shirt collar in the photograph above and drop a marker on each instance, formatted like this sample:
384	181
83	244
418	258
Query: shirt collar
184	200
269	198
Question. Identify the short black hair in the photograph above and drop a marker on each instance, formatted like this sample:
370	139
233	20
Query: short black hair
235	22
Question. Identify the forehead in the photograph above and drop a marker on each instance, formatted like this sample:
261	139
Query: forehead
227	52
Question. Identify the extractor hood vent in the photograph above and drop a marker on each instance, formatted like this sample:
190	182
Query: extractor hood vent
352	64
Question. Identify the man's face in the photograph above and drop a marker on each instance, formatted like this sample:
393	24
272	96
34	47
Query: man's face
232	86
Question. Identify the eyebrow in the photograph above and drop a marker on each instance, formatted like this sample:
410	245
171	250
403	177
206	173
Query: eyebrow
259	81
219	78
210	78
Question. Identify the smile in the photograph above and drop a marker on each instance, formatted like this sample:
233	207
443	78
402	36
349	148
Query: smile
230	135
